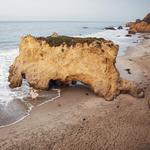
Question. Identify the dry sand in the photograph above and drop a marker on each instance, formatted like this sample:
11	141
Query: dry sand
79	120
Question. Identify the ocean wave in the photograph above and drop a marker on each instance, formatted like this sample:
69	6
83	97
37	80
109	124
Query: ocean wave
15	104
6	58
117	36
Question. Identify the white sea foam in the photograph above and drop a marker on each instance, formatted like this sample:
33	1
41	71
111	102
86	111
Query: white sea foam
7	94
117	36
9	97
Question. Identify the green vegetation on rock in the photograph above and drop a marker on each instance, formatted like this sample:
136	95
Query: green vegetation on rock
69	41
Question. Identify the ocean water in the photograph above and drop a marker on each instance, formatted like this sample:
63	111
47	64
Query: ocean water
10	32
14	103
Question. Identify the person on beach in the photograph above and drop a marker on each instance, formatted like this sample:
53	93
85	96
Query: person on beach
33	94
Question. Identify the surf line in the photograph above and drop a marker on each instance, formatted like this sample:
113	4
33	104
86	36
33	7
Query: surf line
31	107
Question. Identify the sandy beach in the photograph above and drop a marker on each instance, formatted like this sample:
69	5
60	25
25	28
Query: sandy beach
79	120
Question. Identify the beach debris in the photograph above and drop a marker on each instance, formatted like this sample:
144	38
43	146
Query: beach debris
83	119
59	105
128	70
88	60
117	106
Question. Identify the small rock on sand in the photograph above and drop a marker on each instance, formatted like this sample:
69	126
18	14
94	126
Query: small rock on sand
128	70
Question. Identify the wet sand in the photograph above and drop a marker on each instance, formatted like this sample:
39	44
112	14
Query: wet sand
17	109
13	112
79	120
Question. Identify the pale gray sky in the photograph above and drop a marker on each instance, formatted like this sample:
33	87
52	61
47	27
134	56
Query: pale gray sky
90	10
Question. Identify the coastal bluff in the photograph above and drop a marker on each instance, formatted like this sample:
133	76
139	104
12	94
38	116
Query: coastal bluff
44	61
140	26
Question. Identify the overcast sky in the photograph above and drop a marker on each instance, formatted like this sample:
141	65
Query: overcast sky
82	10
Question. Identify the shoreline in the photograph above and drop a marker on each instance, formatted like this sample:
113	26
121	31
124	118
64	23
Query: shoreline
79	119
30	106
124	42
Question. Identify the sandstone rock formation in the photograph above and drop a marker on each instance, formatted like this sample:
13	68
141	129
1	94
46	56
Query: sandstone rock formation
61	60
141	26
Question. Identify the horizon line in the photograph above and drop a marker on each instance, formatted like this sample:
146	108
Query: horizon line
60	21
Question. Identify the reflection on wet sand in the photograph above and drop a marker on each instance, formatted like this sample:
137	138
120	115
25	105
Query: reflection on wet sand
12	112
18	109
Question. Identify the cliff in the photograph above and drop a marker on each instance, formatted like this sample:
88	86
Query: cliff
58	60
141	26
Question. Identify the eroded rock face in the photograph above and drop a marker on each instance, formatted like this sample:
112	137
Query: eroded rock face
66	59
141	26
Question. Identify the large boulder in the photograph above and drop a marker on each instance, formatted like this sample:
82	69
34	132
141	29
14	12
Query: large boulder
120	27
51	60
140	26
147	18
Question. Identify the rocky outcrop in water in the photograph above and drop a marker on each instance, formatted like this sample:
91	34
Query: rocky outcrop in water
58	60
141	26
120	27
110	28
147	18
